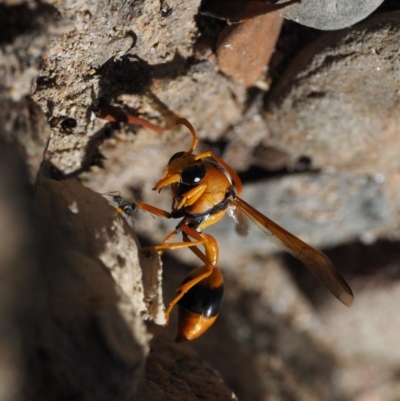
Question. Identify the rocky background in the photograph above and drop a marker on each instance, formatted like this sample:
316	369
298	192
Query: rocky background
306	109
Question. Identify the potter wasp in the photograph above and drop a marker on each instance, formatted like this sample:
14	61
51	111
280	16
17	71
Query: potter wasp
203	189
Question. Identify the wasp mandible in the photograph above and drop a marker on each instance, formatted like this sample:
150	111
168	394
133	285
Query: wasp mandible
203	189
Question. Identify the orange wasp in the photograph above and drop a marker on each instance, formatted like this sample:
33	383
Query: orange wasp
203	189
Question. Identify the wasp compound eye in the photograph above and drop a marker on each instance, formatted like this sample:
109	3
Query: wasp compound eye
194	174
177	155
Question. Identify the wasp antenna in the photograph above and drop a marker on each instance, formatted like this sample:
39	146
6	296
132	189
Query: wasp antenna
187	124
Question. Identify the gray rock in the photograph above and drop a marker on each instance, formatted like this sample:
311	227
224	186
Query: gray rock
138	59
338	104
23	39
368	332
322	209
90	314
330	14
72	300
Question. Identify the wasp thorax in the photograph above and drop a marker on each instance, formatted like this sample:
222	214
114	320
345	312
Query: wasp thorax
194	173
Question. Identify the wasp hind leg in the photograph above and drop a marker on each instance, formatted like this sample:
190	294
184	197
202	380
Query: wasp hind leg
200	295
209	258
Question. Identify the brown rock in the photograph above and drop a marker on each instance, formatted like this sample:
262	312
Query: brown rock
244	50
174	372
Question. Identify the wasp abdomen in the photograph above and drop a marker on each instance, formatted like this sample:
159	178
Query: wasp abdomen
200	306
203	300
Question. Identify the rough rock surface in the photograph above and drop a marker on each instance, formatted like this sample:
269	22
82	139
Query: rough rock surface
23	41
138	59
77	321
343	86
279	335
339	99
175	372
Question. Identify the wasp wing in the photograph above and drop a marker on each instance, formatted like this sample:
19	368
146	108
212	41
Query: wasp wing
315	261
241	220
